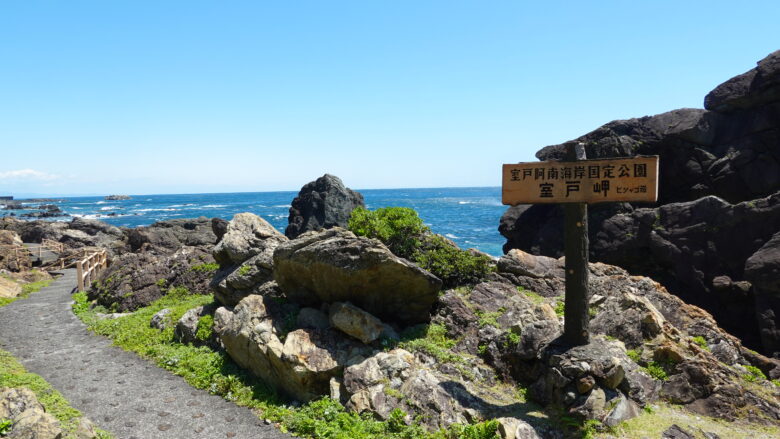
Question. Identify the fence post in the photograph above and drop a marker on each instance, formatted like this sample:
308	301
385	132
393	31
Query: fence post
80	274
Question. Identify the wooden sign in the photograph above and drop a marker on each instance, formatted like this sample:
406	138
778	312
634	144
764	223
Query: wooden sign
585	181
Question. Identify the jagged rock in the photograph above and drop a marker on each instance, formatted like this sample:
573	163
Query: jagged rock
726	152
762	269
186	330
245	256
30	418
9	260
676	432
301	366
337	266
513	428
171	235
161	319
9	289
219	226
353	321
521	263
322	204
135	280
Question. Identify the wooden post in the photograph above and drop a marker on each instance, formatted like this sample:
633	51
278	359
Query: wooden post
576	319
80	275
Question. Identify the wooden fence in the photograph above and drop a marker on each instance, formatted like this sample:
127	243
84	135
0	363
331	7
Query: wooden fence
88	268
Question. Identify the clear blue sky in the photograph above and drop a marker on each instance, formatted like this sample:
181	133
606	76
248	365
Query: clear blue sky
190	96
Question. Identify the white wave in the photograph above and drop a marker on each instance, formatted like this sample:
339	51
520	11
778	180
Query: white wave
451	236
181	205
282	205
156	210
109	208
465	202
101	202
214	206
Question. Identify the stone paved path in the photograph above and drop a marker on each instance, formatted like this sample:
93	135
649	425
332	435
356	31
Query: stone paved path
119	391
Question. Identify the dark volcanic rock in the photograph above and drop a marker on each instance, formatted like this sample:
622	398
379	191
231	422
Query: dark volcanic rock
170	235
695	243
322	204
762	269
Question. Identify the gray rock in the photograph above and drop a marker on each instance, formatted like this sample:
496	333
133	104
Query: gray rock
353	321
322	204
186	329
30	418
676	432
161	319
337	266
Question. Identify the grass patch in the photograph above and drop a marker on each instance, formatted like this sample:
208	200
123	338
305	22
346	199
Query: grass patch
205	328
13	374
489	318
244	270
216	372
656	370
560	309
535	298
701	341
205	268
27	289
754	374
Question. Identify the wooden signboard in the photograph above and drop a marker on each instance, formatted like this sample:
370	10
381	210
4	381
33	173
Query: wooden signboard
585	181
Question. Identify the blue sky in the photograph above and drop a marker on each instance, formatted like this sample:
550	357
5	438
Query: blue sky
193	96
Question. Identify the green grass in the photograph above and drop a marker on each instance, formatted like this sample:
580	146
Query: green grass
560	309
205	328
489	318
535	298
215	371
205	267
27	289
13	374
244	270
754	374
656	370
701	341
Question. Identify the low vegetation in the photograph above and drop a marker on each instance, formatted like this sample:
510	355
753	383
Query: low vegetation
215	372
27	289
13	374
405	234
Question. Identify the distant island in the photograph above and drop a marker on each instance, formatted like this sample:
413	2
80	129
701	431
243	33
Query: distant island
117	197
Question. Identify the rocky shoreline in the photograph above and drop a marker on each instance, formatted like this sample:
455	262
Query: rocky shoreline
328	313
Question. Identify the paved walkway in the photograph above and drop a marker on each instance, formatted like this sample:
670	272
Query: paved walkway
119	391
47	255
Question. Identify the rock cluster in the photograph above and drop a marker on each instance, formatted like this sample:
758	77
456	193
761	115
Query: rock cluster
322	204
30	420
718	204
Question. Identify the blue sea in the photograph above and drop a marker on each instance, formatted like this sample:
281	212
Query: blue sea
468	216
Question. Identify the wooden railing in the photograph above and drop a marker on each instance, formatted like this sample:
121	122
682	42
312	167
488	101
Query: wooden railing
88	268
56	247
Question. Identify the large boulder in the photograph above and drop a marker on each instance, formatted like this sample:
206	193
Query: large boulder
322	204
29	417
337	266
245	257
762	269
719	183
10	259
299	363
170	235
135	280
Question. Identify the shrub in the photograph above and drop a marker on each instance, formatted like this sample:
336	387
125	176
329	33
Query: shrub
205	268
205	328
404	233
399	228
451	264
754	374
702	342
656	371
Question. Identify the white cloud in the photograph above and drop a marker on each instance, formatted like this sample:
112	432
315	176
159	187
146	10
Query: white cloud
26	174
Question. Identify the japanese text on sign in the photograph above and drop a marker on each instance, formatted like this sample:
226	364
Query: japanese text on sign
587	181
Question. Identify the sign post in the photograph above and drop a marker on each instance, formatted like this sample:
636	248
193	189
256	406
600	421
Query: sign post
576	183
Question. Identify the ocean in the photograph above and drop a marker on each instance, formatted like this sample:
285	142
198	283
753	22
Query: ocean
468	216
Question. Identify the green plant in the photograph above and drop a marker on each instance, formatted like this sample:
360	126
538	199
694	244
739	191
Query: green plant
5	426
451	264
634	355
535	297
482	349
512	339
404	233
176	293
489	318
560	308
656	370
701	341
27	289
205	267
754	374
244	270
430	339
161	283
205	328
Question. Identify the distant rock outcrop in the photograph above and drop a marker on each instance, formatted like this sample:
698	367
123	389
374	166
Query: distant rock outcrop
322	204
719	179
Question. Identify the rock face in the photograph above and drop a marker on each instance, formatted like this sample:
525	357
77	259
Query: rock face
77	233
704	364
30	418
9	260
170	235
322	204
337	266
245	257
299	364
718	194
